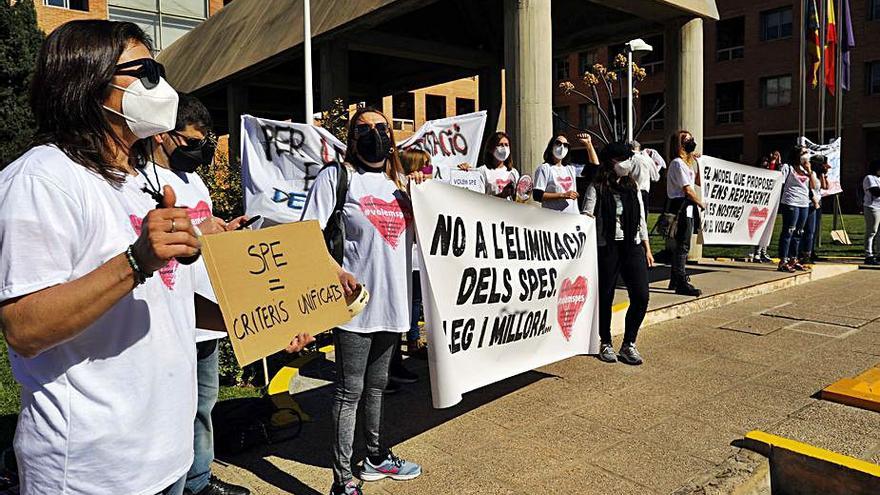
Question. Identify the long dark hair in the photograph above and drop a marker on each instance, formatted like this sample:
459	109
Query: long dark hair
74	68
676	147
491	143
393	167
548	151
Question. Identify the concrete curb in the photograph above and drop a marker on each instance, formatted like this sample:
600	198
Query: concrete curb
697	305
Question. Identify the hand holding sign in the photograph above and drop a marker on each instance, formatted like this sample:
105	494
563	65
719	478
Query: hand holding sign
166	233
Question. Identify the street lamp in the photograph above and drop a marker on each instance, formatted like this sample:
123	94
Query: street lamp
636	46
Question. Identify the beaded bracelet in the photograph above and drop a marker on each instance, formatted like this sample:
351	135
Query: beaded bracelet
139	275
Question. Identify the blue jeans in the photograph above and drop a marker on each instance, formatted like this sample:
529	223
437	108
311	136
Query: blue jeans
175	489
199	474
793	220
416	311
810	228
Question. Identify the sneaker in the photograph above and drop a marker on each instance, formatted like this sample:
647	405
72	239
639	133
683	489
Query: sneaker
217	486
400	374
606	353
871	260
630	355
784	266
796	265
392	467
688	290
392	387
350	488
765	259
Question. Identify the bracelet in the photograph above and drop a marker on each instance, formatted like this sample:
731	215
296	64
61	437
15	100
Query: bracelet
139	275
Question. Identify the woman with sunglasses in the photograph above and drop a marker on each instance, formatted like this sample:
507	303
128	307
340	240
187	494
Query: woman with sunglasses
501	175
555	180
377	220
797	181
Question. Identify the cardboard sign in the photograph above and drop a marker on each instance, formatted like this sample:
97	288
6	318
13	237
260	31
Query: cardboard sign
272	284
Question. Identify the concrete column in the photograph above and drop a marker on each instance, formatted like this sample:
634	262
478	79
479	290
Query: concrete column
236	106
490	98
528	60
684	86
334	73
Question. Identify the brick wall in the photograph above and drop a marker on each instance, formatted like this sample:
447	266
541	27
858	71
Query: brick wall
50	18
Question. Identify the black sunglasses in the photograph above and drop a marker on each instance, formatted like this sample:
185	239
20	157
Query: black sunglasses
362	129
560	143
142	68
209	139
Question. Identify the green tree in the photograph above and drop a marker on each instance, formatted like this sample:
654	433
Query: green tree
20	40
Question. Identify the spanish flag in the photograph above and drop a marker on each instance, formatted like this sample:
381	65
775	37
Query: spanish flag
830	49
814	53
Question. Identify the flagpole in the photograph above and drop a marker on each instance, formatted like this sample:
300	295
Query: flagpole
802	81
823	32
840	26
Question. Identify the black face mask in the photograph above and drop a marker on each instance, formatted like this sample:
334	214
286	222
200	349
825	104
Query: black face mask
689	146
374	146
187	158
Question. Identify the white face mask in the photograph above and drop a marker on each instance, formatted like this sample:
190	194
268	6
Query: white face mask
501	153
559	152
624	168
148	111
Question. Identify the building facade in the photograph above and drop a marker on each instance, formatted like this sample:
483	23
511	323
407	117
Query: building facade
163	20
751	87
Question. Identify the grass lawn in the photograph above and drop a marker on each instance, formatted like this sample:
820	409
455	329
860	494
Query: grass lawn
9	389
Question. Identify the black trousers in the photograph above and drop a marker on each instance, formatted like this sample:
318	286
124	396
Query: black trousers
681	247
623	260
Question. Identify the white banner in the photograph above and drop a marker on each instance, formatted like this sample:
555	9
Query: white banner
450	141
506	287
741	202
831	151
280	160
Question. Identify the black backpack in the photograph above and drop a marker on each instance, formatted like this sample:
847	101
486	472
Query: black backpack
241	424
334	232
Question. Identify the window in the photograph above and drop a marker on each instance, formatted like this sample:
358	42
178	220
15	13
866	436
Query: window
560	119
560	69
649	104
586	60
465	105
730	37
729	102
730	149
776	24
775	91
588	116
435	107
873	76
165	21
403	106
874	10
652	61
614	51
82	5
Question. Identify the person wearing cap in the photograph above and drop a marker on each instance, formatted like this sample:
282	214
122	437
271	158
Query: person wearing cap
614	201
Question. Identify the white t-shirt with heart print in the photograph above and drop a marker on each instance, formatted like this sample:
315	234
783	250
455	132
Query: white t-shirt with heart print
110	410
378	243
498	178
192	194
557	179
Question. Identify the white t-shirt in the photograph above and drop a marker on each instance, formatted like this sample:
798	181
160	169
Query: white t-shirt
679	176
193	194
378	243
498	178
869	182
110	410
557	179
795	187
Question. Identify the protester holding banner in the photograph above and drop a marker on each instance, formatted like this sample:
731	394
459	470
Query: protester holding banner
797	179
556	180
501	176
103	350
414	160
376	216
613	199
685	205
819	165
871	187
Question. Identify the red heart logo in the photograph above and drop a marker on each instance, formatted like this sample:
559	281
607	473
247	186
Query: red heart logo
389	218
565	183
200	213
572	297
757	217
167	272
501	184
